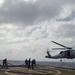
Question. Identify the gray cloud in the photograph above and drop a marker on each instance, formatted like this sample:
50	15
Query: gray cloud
24	41
27	13
66	31
69	17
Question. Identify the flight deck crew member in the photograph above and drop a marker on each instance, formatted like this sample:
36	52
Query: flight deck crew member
26	62
29	62
33	63
5	63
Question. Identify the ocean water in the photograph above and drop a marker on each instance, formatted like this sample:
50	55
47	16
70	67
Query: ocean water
70	65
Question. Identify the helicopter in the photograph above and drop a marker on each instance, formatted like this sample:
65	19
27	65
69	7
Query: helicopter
69	53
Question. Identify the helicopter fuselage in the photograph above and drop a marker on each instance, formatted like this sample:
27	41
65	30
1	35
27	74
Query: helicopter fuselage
69	54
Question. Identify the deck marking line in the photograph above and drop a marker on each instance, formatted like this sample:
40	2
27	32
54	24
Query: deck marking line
58	72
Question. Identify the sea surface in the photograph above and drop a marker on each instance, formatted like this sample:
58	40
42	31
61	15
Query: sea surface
70	65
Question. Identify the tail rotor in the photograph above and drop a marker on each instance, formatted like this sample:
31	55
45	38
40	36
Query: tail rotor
48	54
48	50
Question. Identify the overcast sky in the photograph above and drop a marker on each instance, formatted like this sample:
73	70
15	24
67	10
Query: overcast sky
27	27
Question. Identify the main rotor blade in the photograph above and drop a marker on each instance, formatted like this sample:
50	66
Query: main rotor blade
62	45
58	48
